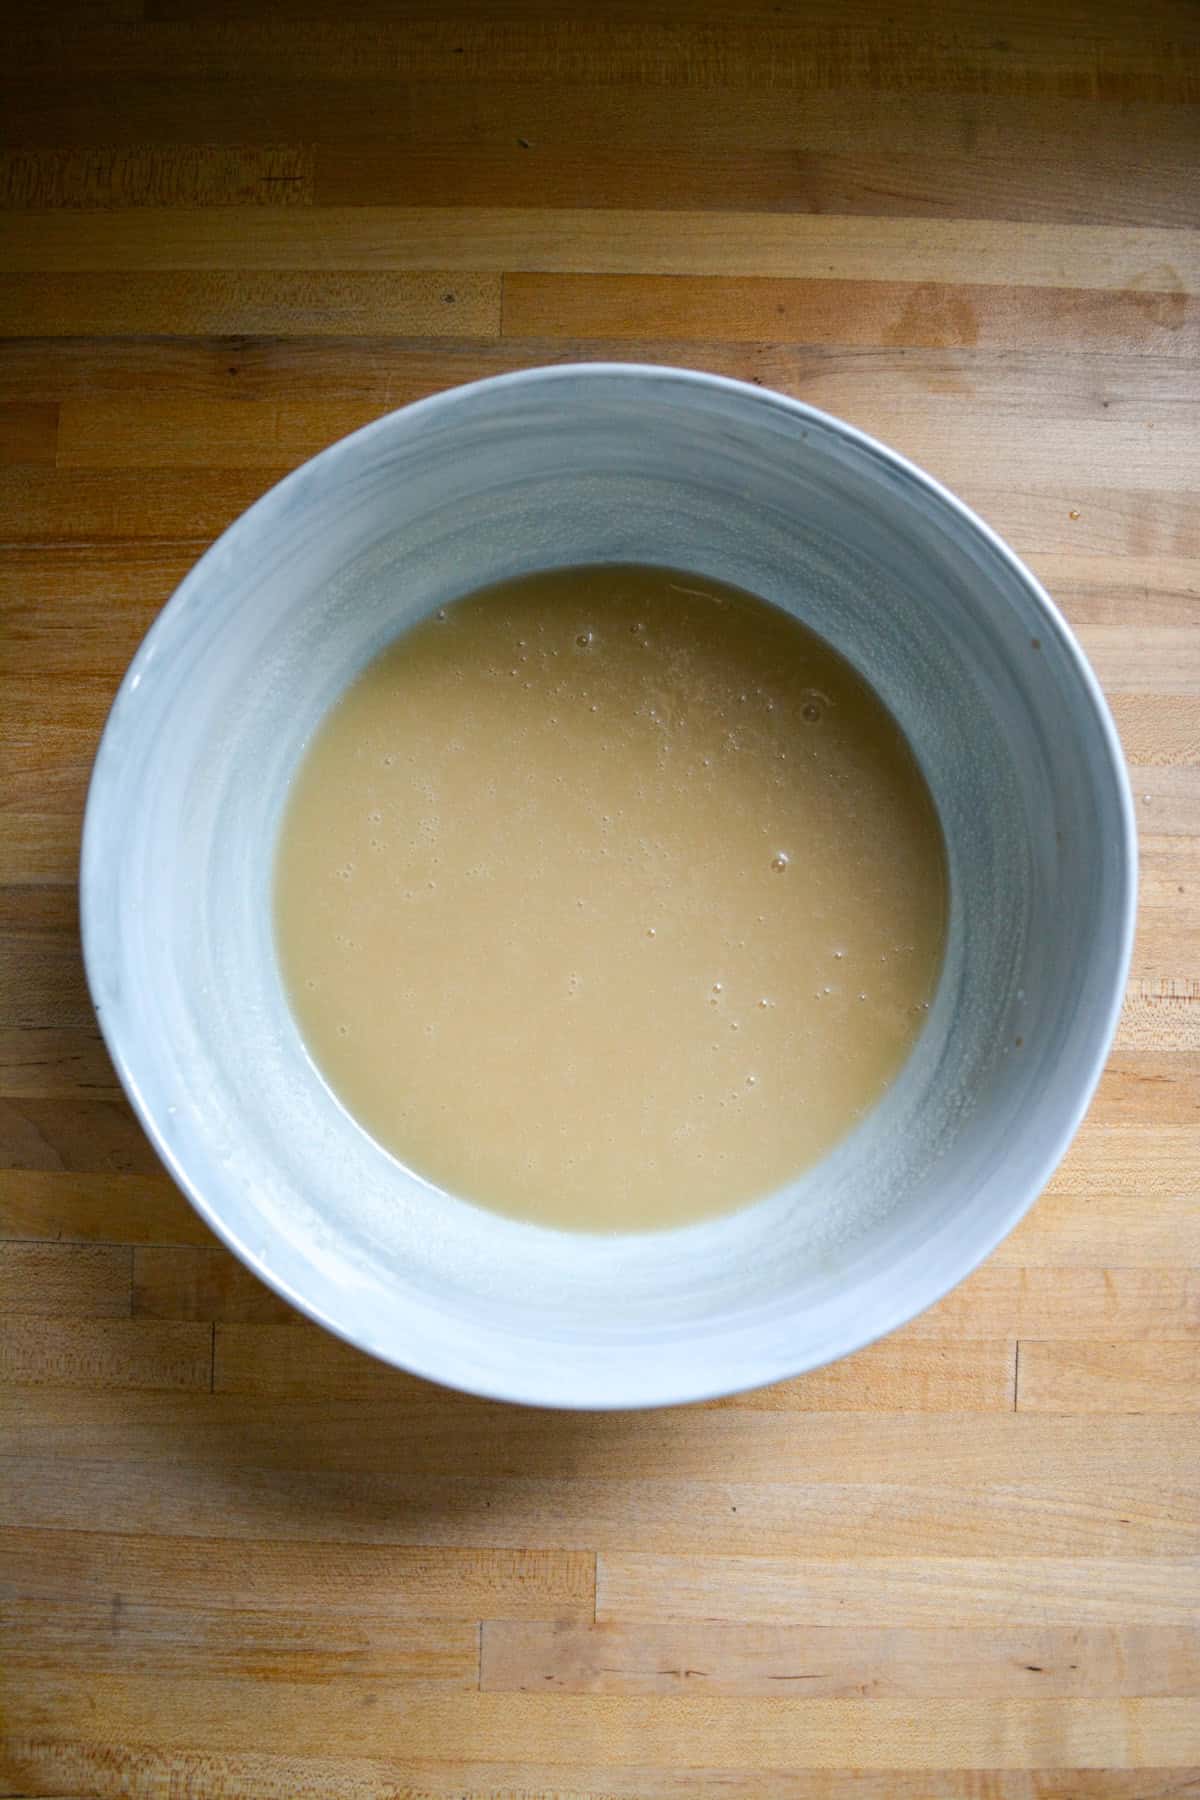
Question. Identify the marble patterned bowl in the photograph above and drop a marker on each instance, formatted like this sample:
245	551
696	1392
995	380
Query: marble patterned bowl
580	464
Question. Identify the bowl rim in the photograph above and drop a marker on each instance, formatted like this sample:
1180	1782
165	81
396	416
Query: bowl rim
917	1298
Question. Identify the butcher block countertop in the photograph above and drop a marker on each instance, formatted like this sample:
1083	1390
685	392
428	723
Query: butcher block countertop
241	1559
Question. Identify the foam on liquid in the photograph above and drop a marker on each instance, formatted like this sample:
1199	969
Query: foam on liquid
609	897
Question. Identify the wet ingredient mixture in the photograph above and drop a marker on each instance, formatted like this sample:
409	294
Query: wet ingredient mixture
610	898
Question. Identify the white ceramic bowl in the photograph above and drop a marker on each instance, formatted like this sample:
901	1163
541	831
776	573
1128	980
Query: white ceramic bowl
584	464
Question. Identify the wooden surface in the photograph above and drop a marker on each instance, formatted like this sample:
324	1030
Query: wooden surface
238	1558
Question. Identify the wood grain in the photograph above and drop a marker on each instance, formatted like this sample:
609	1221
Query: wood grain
849	312
72	1280
1140	1513
602	116
39	848
1113	1230
743	1733
1148	261
706	1656
437	1434
125	1209
157	175
107	1353
180	1282
947	1591
115	1771
390	1581
127	1636
1101	184
239	1559
762	51
70	304
1109	1378
28	432
53	1064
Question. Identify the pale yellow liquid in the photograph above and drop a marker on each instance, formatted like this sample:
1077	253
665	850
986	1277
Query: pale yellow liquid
610	898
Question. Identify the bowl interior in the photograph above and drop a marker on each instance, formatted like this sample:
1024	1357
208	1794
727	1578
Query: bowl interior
578	466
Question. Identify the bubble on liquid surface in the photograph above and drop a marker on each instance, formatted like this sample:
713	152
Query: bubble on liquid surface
780	861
